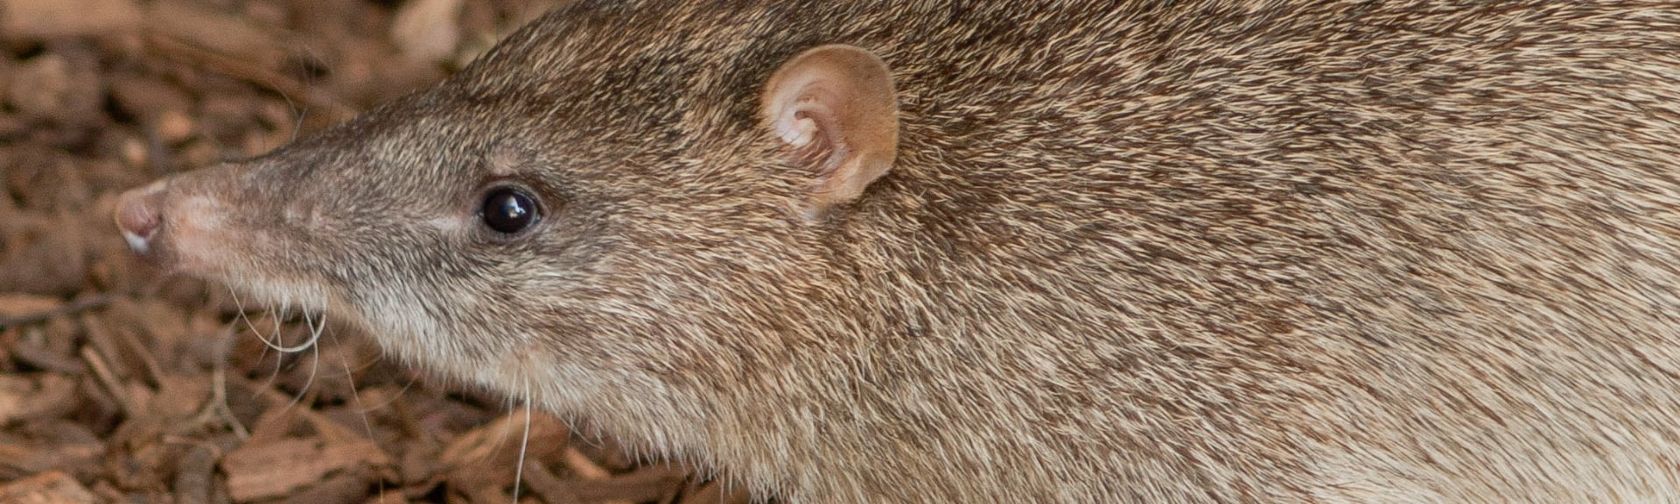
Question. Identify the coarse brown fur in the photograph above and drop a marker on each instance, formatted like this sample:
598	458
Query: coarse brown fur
1158	251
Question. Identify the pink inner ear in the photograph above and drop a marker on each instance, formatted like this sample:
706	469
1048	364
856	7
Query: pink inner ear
834	106
811	112
813	132
797	127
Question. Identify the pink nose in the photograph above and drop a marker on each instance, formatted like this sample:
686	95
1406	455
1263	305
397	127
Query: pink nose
138	216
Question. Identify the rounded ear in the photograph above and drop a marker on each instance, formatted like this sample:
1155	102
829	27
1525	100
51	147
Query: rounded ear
834	108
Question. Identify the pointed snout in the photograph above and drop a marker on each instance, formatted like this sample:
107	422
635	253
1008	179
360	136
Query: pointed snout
139	216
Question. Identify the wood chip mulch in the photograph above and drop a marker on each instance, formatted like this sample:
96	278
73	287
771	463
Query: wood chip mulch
118	384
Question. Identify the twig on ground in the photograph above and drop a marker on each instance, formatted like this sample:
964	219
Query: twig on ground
71	308
103	372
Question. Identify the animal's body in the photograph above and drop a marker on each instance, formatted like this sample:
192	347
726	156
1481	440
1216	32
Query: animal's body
1161	251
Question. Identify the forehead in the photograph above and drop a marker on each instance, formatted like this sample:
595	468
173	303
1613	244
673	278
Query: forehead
615	68
587	94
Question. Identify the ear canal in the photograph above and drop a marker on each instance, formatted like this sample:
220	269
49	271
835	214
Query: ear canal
834	108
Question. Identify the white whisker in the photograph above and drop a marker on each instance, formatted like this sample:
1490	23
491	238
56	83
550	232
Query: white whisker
314	335
314	367
272	315
237	303
277	341
524	443
398	396
241	306
356	395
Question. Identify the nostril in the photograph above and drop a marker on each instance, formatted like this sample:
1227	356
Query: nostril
138	218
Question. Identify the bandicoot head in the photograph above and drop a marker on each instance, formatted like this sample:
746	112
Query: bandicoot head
620	225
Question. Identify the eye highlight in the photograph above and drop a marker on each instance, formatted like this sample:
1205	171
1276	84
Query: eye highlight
508	210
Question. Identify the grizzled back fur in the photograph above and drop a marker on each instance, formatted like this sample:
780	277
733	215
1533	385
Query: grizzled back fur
1175	251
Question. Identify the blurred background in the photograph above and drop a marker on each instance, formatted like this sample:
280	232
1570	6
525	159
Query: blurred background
118	384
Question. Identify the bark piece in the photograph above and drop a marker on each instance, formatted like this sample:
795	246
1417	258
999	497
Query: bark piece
50	487
23	398
278	468
29	20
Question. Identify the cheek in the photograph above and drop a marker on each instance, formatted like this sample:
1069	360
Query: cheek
393	309
428	323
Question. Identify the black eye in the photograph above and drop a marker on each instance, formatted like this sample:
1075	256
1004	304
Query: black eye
508	210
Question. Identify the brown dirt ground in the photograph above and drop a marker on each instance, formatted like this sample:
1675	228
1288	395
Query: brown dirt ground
118	384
